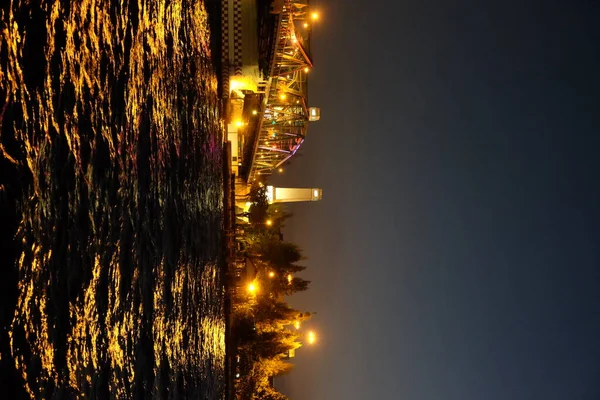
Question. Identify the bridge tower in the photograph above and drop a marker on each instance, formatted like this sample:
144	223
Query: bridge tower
291	195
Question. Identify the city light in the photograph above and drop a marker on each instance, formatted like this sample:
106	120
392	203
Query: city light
254	112
312	338
271	274
315	16
252	288
297	325
289	278
306	24
269	222
280	170
282	96
239	123
306	69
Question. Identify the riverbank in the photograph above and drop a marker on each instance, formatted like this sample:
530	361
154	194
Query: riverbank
227	267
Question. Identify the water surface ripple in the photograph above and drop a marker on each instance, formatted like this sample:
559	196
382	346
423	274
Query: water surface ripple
110	109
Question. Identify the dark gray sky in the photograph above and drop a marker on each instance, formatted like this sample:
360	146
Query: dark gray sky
456	253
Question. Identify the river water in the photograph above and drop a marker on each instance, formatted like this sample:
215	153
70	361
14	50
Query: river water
112	139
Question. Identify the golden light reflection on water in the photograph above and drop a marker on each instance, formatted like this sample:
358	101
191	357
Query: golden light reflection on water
116	115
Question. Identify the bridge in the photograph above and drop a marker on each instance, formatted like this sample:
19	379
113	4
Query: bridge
275	128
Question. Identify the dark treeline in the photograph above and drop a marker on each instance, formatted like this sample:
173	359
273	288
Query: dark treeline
266	327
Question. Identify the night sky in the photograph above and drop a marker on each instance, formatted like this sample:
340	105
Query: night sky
456	252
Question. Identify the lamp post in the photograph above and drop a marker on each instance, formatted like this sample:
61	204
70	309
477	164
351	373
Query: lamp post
252	288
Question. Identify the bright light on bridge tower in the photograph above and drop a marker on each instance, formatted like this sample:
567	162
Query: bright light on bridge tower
314	114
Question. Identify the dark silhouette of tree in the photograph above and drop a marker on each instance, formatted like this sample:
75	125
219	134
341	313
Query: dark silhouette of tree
264	328
270	394
277	252
296	285
273	311
270	344
258	211
290	268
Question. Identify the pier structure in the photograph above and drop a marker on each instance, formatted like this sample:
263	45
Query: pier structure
266	63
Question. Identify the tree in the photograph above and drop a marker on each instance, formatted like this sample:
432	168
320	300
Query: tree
256	384
277	212
290	268
295	285
277	252
263	324
257	213
269	393
272	312
275	366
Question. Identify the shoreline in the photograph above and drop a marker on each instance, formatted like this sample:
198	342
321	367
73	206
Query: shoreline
228	255
213	8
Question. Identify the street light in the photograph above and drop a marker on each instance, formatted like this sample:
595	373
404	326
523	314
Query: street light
271	274
269	222
312	338
252	288
315	16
